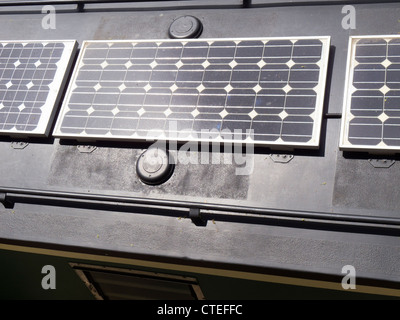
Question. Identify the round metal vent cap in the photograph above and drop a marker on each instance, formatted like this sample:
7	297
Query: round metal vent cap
153	166
185	27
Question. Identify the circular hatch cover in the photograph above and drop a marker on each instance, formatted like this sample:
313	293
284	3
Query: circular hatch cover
185	27
153	166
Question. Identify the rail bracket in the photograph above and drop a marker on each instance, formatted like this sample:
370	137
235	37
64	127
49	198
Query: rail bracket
80	7
3	199
197	218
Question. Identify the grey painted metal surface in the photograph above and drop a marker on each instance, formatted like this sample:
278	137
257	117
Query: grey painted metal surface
327	181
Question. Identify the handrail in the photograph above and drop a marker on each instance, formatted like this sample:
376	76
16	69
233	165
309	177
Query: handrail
15	195
81	3
245	3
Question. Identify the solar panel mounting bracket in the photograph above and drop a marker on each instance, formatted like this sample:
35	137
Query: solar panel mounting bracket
19	145
381	163
86	148
281	158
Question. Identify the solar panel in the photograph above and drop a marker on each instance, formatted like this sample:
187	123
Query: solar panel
267	91
31	79
371	112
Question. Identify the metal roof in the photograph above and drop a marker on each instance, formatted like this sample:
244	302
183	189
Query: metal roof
306	211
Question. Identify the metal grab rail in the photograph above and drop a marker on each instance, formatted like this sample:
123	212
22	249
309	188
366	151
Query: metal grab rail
245	3
10	196
81	3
